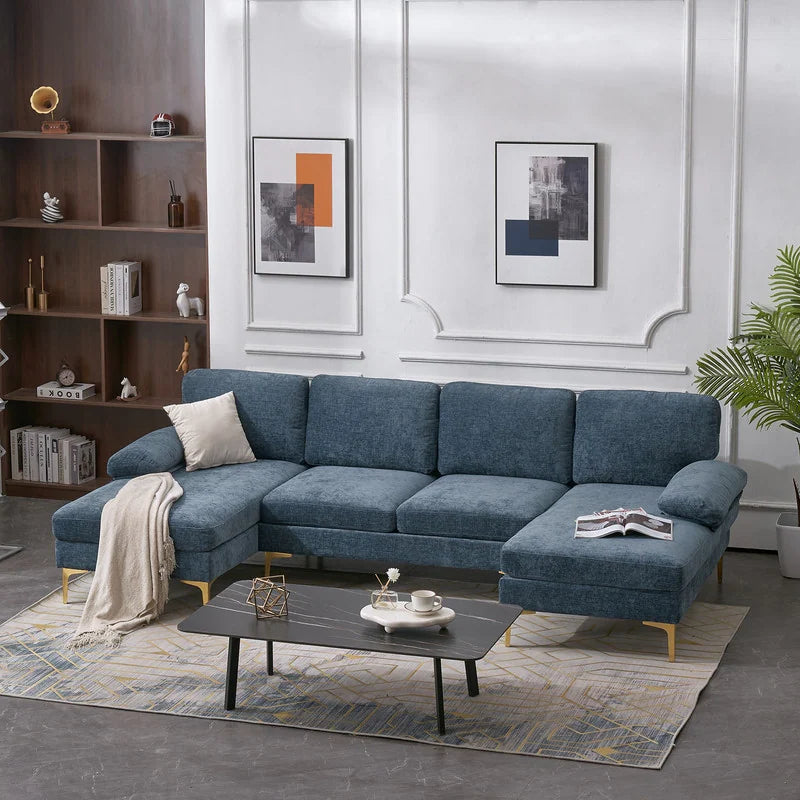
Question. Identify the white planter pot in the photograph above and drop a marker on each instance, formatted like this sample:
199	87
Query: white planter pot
788	534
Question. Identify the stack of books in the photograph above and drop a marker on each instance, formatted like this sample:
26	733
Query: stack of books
121	288
51	455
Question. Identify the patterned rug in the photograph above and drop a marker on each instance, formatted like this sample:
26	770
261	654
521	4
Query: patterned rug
569	687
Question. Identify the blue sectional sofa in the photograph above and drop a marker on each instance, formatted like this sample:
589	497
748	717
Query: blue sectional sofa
466	475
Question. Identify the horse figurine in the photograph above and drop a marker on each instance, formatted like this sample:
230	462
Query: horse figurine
129	391
186	304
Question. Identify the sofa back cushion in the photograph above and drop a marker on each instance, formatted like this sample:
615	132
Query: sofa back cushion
272	407
515	431
642	438
372	422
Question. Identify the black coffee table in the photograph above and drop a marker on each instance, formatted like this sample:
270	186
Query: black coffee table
329	617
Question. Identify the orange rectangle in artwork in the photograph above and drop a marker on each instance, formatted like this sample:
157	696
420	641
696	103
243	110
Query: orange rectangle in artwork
317	168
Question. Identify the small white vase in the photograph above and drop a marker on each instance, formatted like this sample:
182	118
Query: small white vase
788	535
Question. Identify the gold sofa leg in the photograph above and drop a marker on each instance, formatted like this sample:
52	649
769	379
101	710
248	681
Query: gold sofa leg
66	573
719	570
508	629
268	560
203	586
669	628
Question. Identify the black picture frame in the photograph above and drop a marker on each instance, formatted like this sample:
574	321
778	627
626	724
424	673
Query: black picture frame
347	213
591	281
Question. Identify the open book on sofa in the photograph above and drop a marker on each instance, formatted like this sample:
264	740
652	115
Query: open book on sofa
624	521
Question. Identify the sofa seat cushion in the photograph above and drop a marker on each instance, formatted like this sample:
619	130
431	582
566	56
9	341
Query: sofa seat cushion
217	505
486	507
546	549
354	498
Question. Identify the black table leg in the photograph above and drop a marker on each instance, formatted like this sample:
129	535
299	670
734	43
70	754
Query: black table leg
269	657
472	678
233	673
437	681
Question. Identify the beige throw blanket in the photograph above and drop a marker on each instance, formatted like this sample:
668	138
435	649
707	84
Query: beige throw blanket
134	561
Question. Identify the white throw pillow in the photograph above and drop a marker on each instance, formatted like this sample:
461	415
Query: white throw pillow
210	432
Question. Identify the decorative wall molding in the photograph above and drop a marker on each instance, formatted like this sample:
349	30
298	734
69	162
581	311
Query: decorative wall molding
735	260
766	505
357	328
505	361
315	352
644	341
308	373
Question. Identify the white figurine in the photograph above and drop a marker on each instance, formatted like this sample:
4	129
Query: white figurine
186	304
51	211
128	390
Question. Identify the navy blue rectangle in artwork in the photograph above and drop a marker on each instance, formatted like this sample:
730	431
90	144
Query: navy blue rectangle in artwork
519	242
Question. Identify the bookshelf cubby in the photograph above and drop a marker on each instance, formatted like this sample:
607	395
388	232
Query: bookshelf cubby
112	179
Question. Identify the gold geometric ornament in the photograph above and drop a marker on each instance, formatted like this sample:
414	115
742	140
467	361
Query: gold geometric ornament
270	597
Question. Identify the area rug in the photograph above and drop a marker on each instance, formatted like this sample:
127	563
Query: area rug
569	687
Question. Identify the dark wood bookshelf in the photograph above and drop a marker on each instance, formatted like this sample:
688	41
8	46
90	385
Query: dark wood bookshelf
142	316
112	179
57	491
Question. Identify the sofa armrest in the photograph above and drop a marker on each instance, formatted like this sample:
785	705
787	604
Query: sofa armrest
703	492
158	451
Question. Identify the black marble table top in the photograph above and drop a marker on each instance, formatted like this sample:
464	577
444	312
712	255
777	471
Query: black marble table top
329	617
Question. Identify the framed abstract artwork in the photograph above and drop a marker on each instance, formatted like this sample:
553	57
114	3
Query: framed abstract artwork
300	207
545	214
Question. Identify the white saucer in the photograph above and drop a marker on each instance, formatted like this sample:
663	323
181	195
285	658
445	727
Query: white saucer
410	607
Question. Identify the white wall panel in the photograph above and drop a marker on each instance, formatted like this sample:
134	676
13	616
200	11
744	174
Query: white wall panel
693	103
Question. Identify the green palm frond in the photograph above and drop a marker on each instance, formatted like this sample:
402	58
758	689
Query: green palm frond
759	372
785	280
772	333
737	376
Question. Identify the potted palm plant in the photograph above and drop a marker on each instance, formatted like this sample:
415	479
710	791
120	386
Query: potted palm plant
758	373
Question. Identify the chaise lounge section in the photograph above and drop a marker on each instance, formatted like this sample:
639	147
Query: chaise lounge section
466	475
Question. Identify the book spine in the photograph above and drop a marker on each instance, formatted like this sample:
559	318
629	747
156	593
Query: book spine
44	457
26	455
126	289
41	455
112	290
63	477
74	452
16	445
119	287
36	466
104	289
33	455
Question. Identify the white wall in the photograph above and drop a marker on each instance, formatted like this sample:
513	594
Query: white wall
693	103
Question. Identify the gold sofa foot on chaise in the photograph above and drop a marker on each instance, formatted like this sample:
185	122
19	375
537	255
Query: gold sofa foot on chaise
508	630
268	560
203	586
669	628
719	569
66	573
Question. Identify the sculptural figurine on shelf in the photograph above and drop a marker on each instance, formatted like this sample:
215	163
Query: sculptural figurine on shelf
128	390
186	304
184	365
52	210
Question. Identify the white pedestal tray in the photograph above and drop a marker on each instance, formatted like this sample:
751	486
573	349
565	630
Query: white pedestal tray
393	619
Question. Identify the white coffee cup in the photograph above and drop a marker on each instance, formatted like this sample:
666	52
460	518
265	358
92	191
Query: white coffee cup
424	600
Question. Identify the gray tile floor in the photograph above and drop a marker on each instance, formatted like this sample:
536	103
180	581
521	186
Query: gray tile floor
743	741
